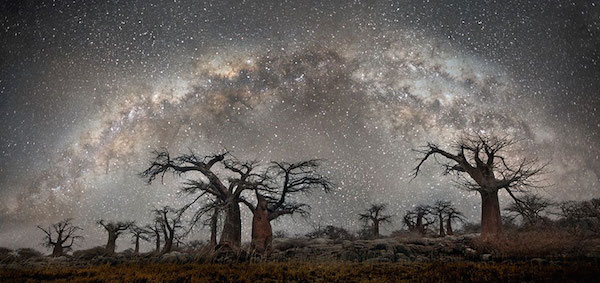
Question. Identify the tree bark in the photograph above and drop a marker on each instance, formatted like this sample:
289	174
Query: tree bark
449	226
57	250
491	223
111	244
213	228
137	246
442	234
168	244
262	234
232	227
375	228
157	242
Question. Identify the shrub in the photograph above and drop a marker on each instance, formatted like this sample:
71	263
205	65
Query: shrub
287	244
26	253
91	253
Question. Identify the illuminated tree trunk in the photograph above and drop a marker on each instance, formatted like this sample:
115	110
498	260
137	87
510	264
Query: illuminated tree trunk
262	234
441	217
491	223
136	251
214	219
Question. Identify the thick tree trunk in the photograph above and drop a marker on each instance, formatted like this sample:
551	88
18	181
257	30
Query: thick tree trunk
449	226
168	245
111	244
419	226
375	228
137	246
491	222
232	227
57	250
262	234
442	234
213	228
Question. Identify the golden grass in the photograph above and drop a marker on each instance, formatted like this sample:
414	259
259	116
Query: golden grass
311	272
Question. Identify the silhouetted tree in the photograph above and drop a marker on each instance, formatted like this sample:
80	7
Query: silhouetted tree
138	233
280	182
170	221
65	232
375	215
226	193
582	214
529	208
114	230
453	215
418	219
488	171
155	229
440	209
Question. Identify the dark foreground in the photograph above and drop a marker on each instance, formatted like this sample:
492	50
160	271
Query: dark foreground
305	271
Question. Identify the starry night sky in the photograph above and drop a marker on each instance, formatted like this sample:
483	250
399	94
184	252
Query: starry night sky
87	91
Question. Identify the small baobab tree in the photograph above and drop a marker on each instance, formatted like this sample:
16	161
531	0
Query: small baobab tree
439	209
138	233
530	208
61	236
275	190
452	216
170	221
154	231
481	158
114	230
375	215
418	219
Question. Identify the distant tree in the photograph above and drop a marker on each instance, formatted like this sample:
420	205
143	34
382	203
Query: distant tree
440	209
453	215
170	221
155	229
375	215
418	219
138	233
480	157
279	183
529	208
61	236
114	229
582	214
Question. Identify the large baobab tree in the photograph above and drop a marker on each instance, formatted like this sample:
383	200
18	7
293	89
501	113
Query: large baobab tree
279	184
453	215
66	235
138	233
481	158
375	215
114	229
529	208
440	209
418	219
226	190
170	221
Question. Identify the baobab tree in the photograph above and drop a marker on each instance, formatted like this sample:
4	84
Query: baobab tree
280	182
114	229
481	158
138	233
375	215
418	219
440	209
66	235
226	191
170	221
155	229
453	215
529	208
